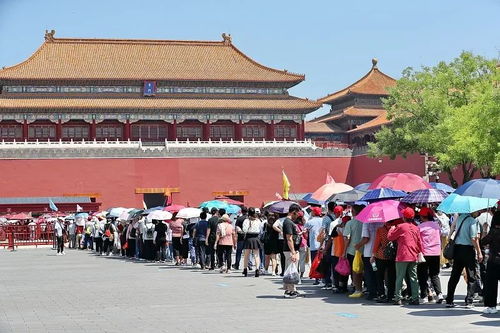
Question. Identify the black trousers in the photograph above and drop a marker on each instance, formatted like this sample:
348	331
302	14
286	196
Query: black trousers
386	277
281	243
201	252
130	247
490	291
224	253
429	268
464	257
210	256
98	244
60	244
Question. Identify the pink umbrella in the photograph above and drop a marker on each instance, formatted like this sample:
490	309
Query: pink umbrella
381	211
327	190
407	182
173	208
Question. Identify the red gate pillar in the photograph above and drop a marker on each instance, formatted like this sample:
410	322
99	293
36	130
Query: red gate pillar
239	131
25	130
92	130
172	134
59	130
127	130
270	131
206	130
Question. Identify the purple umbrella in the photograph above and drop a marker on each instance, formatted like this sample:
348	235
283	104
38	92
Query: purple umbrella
280	207
429	195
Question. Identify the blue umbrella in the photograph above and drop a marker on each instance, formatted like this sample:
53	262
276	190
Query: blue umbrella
443	187
428	195
455	203
363	186
480	188
214	204
382	193
233	209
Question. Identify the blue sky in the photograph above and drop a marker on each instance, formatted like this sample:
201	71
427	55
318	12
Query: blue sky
331	42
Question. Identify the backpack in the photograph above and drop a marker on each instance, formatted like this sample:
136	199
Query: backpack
390	251
150	232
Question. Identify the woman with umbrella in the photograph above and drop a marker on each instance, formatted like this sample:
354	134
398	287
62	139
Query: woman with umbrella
252	228
492	239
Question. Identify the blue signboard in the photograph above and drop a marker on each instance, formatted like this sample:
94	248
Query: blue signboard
149	88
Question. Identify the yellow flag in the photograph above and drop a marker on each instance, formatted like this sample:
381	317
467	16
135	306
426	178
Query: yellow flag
286	185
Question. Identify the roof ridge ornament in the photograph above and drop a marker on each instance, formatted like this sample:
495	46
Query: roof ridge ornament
226	38
374	63
49	35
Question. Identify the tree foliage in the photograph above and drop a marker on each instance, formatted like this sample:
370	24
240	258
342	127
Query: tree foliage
450	111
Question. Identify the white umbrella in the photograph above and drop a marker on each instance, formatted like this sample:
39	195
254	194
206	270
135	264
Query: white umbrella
123	216
189	212
159	215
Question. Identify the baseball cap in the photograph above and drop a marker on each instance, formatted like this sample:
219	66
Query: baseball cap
425	211
338	210
408	213
316	211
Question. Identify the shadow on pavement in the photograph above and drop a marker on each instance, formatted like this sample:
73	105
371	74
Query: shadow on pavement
490	323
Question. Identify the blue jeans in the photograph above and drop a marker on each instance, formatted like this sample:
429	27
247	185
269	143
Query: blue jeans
239	251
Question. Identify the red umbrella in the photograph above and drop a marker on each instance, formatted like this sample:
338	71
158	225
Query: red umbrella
407	182
327	190
229	200
173	208
20	216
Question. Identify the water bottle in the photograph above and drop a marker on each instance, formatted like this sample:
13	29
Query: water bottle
374	266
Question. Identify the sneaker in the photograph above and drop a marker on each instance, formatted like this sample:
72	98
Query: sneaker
440	299
64	253
326	287
469	305
490	310
297	294
316	282
414	302
451	305
59	254
424	300
356	294
398	302
288	294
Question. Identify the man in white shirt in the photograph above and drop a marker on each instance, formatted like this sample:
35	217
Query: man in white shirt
368	234
59	230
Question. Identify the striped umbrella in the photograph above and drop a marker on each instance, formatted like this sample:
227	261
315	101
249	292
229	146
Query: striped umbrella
382	193
428	195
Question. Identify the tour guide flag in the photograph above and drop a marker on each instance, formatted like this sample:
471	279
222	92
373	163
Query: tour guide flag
52	205
79	208
286	185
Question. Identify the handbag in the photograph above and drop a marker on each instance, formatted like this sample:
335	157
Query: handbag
313	272
449	249
343	267
357	264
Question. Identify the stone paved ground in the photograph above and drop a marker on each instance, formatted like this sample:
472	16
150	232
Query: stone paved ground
79	292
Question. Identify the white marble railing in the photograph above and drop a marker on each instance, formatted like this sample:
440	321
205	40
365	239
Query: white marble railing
131	149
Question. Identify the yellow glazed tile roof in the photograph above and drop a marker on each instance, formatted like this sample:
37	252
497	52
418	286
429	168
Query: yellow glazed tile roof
373	83
158	103
379	121
123	59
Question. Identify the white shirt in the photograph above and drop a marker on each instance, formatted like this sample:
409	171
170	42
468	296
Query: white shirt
58	227
485	221
279	224
370	231
252	226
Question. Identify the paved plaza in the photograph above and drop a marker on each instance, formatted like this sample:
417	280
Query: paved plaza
81	292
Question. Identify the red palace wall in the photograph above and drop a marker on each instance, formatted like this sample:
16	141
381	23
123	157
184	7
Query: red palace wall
117	179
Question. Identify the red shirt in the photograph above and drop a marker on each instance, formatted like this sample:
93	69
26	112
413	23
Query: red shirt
407	236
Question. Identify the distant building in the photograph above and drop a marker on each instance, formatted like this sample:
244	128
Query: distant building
148	90
356	112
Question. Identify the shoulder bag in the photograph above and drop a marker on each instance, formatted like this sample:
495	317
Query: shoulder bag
449	249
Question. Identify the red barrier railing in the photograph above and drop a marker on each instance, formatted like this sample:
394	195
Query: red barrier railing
24	235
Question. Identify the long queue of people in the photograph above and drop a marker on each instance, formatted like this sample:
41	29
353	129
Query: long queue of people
397	262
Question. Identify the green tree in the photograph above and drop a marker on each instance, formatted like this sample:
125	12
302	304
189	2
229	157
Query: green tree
445	111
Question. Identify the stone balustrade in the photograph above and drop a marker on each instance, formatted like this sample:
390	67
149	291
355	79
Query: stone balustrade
167	149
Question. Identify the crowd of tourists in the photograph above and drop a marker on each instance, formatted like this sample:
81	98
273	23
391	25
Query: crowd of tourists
397	262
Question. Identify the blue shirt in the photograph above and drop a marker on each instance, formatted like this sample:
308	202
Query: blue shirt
201	230
468	229
314	227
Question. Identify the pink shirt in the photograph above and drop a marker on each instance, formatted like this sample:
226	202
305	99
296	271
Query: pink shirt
430	233
228	238
407	236
176	227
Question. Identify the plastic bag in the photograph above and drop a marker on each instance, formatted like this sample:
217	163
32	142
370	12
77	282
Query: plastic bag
313	272
357	264
343	267
291	275
420	258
